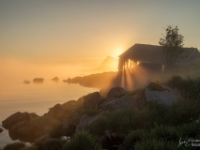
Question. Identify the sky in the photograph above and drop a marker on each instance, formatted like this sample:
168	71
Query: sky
89	30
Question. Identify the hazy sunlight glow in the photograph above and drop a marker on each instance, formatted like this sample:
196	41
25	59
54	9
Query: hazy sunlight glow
118	51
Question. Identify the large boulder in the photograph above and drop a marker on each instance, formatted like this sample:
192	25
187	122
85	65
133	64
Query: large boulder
116	92
162	94
26	133
125	101
13	130
86	121
70	106
46	125
57	112
68	128
29	131
15	118
38	129
43	138
139	100
69	124
92	100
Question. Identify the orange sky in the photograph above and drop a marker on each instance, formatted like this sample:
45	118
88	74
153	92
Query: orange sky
90	29
87	31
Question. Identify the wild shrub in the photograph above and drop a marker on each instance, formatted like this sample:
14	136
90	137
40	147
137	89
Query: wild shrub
154	113
125	120
166	133
14	146
132	138
111	140
153	144
119	121
164	137
55	144
82	140
183	111
73	119
190	88
190	130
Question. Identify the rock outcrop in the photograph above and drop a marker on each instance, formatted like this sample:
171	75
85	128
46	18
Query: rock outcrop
86	121
162	94
114	103
57	112
15	118
43	138
116	92
65	119
92	100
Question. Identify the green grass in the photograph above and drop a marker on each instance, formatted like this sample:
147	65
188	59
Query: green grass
190	88
125	120
132	138
82	140
53	144
163	137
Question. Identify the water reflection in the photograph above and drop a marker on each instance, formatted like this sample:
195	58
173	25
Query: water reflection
16	96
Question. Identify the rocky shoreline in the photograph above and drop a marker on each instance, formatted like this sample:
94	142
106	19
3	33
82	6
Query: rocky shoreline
77	115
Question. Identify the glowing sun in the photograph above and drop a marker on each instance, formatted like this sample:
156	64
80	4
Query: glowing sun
117	51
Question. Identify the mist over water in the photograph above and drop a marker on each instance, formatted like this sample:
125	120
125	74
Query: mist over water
13	69
17	96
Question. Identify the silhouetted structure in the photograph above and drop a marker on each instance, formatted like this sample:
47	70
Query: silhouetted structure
154	55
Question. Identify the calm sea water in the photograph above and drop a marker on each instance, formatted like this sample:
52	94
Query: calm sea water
38	98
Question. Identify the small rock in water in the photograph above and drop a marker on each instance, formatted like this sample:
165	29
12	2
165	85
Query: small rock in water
55	79
26	82
38	80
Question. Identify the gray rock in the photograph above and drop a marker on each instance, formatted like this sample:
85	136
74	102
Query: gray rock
164	94
84	117
116	92
15	118
57	112
48	129
13	130
43	138
125	101
70	106
92	100
26	133
54	123
68	128
86	121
